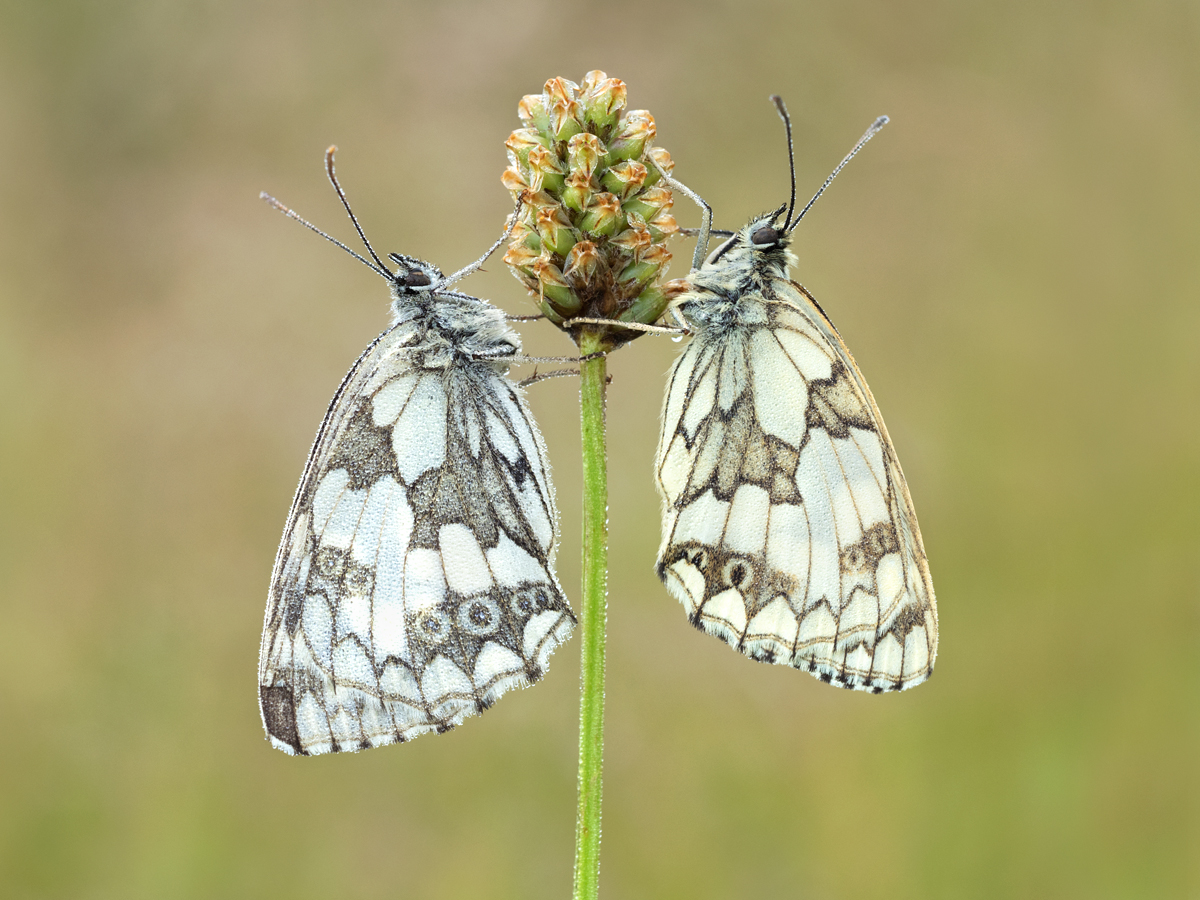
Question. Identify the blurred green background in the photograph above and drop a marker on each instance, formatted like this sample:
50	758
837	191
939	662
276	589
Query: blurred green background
1014	262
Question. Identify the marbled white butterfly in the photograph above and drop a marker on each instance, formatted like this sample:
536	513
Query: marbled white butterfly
415	580
788	530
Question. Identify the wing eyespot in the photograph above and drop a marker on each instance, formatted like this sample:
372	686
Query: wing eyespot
479	616
738	573
329	562
434	626
523	605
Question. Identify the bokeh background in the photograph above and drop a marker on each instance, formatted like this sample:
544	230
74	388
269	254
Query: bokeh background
1014	262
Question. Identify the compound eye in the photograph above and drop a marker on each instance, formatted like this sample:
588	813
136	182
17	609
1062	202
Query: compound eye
416	278
764	236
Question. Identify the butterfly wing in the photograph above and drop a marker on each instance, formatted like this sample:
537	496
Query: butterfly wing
788	530
415	583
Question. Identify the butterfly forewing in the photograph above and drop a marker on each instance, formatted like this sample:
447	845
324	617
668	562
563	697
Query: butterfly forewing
788	530
415	582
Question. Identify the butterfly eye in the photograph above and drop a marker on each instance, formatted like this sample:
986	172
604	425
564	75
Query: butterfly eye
416	278
764	236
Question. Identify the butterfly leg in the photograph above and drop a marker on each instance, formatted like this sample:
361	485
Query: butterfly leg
632	326
706	216
543	376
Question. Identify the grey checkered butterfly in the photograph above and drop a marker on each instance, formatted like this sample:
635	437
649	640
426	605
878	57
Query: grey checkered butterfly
415	580
788	530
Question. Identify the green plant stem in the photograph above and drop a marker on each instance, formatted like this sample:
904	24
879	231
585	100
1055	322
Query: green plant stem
593	376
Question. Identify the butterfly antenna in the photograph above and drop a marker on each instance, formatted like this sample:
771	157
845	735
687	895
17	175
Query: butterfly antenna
475	266
702	235
875	126
787	124
309	225
346	203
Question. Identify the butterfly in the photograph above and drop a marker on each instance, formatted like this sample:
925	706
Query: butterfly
415	580
788	530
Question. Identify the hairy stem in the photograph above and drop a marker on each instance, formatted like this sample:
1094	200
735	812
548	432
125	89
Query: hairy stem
593	374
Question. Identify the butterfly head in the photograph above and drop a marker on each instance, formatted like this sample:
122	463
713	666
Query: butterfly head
414	276
764	233
763	242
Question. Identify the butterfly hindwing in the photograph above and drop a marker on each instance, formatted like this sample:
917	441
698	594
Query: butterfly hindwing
415	581
788	531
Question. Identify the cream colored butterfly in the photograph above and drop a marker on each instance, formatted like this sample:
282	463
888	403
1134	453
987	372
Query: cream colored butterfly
788	530
415	580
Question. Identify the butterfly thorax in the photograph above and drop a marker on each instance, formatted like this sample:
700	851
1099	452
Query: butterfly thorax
731	289
442	329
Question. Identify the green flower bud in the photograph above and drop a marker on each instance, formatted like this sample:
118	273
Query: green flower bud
532	110
554	229
648	307
519	143
555	288
583	265
649	203
578	190
602	98
524	236
630	141
663	158
584	152
636	239
564	109
603	216
662	226
639	274
520	259
564	120
546	172
625	178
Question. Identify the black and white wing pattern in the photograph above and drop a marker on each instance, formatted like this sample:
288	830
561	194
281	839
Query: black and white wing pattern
415	581
788	530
